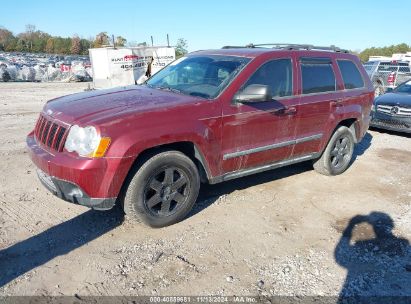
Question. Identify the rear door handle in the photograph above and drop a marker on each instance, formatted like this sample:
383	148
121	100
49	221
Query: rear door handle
337	103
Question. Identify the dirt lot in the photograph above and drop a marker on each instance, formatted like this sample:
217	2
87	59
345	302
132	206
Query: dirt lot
276	233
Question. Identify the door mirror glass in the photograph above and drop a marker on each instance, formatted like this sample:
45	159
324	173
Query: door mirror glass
254	93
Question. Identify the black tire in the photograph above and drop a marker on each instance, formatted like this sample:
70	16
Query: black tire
163	190
337	155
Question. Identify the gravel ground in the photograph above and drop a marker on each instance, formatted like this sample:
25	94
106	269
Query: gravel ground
284	232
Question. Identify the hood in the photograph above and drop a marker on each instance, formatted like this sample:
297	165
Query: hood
394	99
100	105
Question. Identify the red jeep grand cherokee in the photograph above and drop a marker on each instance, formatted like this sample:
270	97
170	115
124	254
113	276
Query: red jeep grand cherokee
209	117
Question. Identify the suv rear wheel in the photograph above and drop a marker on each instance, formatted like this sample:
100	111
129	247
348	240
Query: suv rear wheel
163	190
338	154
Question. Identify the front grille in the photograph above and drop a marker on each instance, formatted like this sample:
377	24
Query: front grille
50	134
394	110
390	123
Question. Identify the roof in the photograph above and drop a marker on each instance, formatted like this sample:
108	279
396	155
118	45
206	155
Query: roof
241	52
252	51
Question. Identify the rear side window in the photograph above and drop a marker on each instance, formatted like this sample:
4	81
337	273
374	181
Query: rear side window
317	75
277	74
351	76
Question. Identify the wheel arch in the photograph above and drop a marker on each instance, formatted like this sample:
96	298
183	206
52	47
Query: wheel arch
188	148
353	125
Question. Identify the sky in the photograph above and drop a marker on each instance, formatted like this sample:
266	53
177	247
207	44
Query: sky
349	24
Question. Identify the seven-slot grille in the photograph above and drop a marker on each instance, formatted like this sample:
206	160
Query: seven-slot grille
400	111
50	133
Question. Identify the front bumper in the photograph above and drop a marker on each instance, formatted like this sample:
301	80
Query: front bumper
94	183
72	193
390	122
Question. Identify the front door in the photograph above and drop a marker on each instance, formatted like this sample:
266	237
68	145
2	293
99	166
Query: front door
259	133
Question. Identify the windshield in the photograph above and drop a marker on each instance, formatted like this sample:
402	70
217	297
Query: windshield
404	88
203	76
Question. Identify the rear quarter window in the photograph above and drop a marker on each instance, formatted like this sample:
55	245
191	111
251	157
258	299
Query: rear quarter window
351	75
317	76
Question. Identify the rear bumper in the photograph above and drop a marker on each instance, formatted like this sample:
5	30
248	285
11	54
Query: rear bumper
94	183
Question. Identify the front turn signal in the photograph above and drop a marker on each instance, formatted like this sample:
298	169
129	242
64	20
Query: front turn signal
102	148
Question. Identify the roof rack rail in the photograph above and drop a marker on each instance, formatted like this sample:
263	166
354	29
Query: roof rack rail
291	46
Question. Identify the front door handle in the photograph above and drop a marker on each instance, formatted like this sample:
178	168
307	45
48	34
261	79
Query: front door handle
337	103
290	111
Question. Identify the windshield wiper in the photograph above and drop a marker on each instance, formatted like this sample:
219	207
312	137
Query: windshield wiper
170	89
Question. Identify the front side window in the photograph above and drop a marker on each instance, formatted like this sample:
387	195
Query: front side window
317	76
351	75
203	76
277	74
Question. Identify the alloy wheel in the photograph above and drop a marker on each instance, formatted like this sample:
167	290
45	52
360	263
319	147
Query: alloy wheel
341	152
166	191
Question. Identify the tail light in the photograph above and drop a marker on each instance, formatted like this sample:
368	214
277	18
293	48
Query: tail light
391	78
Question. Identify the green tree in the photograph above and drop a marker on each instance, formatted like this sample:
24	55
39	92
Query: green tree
39	41
181	47
121	41
22	43
6	38
32	40
11	46
85	45
101	40
49	46
75	45
384	51
62	45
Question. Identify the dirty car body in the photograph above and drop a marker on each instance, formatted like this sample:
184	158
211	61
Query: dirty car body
204	115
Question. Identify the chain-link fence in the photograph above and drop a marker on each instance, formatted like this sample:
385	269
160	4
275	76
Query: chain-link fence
385	75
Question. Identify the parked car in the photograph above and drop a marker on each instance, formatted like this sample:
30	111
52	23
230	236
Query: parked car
208	117
387	74
392	111
4	62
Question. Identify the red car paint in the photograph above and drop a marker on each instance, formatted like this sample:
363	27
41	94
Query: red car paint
137	118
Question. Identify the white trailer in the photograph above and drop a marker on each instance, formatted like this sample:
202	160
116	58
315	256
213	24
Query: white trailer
114	67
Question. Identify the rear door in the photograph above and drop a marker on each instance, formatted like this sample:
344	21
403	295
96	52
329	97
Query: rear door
255	134
321	101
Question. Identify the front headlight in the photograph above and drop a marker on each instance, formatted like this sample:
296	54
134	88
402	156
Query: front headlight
86	142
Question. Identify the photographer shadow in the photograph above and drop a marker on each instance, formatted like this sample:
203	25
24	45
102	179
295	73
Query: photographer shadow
377	264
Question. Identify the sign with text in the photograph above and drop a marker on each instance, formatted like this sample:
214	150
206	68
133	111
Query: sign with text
127	66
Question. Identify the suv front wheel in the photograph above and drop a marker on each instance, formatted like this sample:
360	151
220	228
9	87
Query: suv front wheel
163	190
338	154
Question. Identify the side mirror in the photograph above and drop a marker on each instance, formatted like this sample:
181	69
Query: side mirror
254	93
389	90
